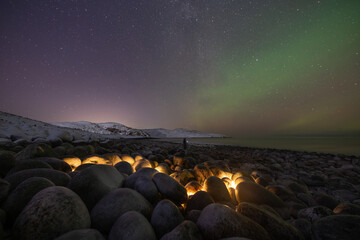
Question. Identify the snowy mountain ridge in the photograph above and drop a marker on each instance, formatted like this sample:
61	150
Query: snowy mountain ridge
16	127
103	128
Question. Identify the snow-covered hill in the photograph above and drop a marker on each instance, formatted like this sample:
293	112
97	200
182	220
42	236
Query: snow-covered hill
103	128
180	133
16	127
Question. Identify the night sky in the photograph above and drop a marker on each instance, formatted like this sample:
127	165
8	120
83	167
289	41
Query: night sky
235	67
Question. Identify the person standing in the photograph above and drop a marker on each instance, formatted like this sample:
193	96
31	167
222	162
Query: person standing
185	143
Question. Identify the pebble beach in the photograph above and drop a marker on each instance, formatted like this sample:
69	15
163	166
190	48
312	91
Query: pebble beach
144	189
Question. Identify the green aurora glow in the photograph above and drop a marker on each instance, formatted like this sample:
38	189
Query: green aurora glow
297	80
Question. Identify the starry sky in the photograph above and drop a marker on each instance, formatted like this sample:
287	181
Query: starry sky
259	67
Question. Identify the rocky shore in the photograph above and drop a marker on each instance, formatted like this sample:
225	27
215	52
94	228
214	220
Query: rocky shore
143	189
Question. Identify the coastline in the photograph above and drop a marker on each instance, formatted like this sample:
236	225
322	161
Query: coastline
349	146
289	188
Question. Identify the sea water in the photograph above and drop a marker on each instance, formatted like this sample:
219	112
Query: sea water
334	145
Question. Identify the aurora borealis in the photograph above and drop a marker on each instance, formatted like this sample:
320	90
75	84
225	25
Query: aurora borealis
261	67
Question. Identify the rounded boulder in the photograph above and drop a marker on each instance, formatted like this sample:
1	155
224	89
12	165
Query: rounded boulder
7	161
36	150
50	213
57	177
94	182
114	204
217	189
199	201
254	193
274	225
170	188
146	172
22	194
147	188
124	167
165	218
28	164
187	230
132	225
218	221
82	234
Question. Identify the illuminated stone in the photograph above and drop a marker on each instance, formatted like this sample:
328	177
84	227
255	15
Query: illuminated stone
74	162
112	157
217	189
96	160
193	187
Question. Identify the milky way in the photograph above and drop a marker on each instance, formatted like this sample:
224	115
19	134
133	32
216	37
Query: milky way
233	67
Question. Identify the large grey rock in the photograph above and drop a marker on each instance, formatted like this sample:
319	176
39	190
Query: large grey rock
187	230
55	163
124	167
28	164
274	225
344	227
22	194
80	151
199	201
7	161
4	189
165	218
57	177
147	188
217	189
36	150
82	234
50	213
116	203
218	221
146	172
94	182
170	188
252	192
132	225
193	215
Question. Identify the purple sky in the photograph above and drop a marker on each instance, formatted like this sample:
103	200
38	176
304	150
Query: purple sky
232	67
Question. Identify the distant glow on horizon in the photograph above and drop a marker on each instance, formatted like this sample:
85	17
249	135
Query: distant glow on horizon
232	67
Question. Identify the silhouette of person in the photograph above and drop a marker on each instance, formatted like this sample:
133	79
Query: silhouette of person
185	143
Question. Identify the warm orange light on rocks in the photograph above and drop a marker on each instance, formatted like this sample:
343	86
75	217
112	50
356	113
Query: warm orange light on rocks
128	158
193	187
233	185
96	160
74	162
